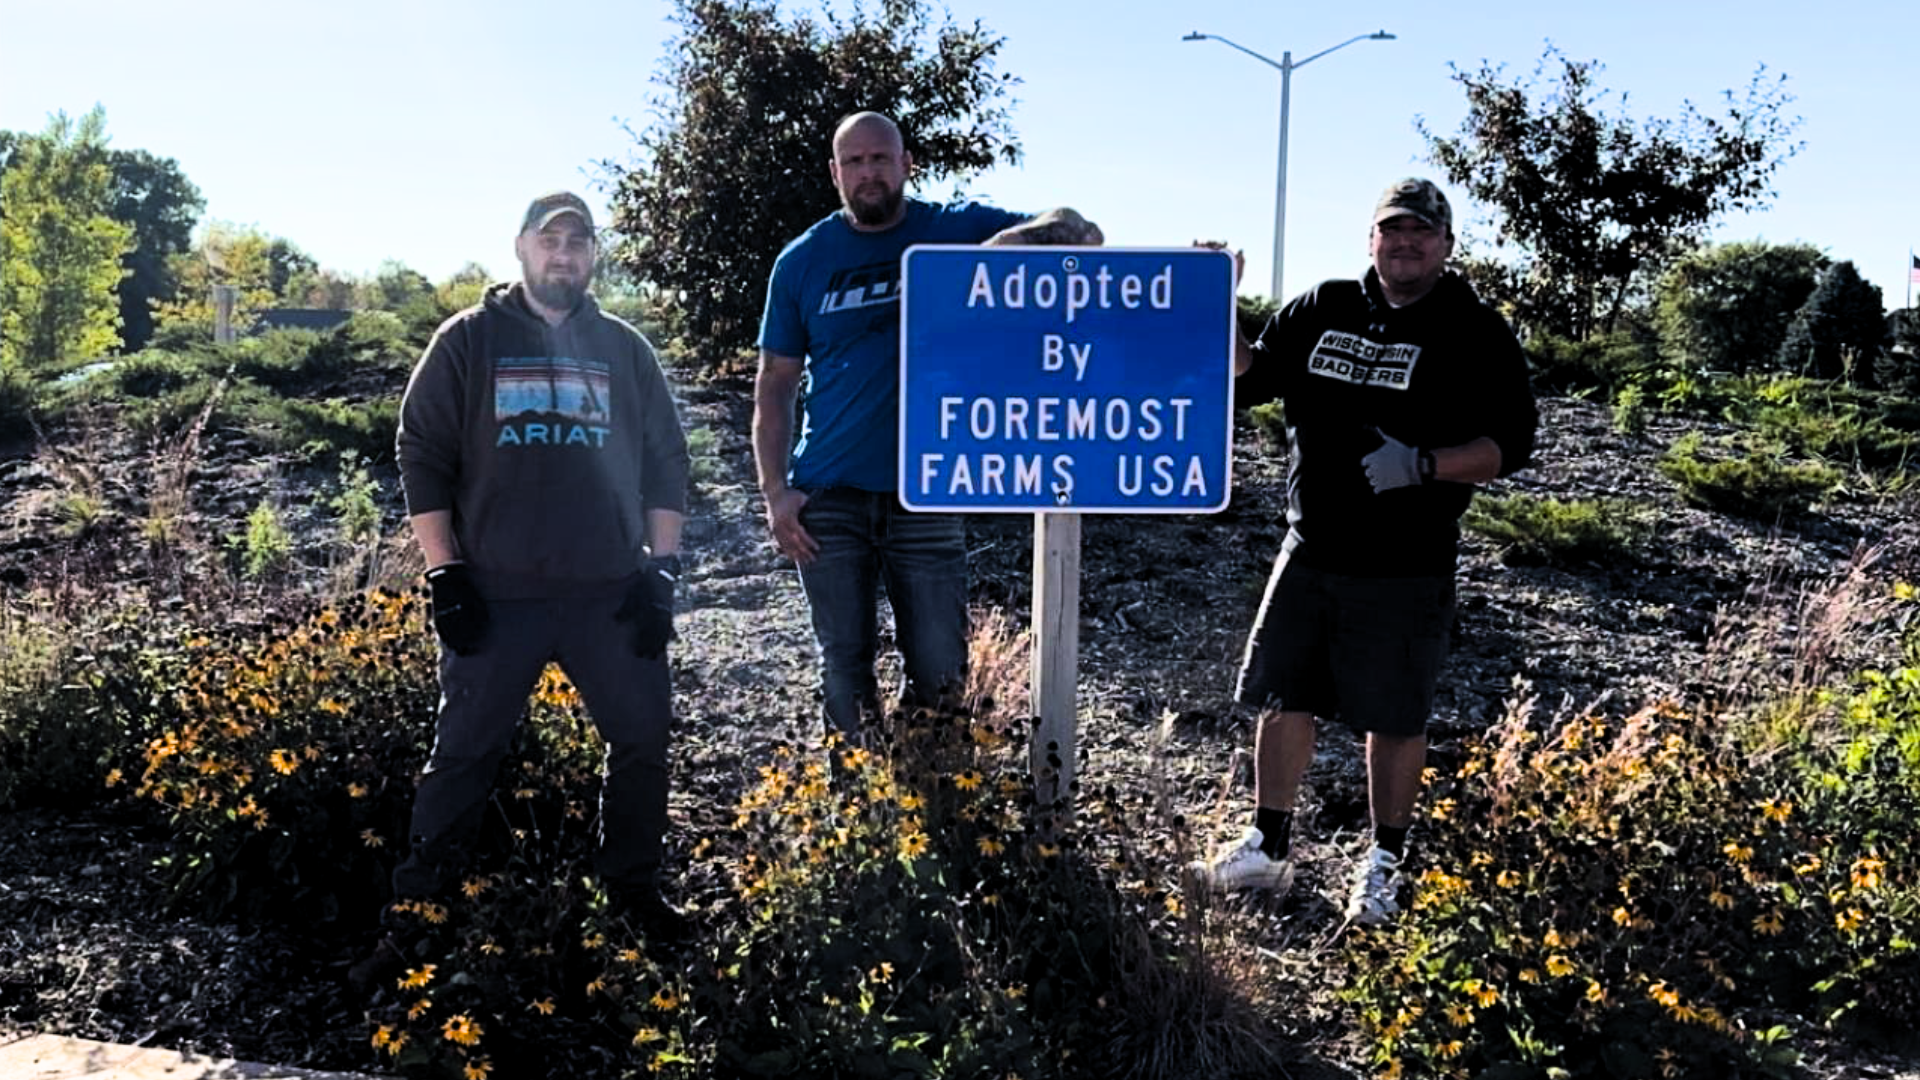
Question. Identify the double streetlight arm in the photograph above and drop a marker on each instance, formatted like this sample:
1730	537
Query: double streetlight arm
1286	66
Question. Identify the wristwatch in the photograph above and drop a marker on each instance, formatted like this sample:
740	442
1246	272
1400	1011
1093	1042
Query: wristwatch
1427	466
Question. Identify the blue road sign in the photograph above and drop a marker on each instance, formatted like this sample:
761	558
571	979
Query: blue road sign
1066	379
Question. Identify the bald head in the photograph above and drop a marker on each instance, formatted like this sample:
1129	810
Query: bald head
870	166
870	124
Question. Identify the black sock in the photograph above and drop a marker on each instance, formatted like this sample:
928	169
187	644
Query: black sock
1391	837
1276	831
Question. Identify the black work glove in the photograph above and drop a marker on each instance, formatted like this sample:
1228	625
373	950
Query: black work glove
648	608
459	614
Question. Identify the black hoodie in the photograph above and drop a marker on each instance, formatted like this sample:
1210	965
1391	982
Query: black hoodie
1440	372
548	443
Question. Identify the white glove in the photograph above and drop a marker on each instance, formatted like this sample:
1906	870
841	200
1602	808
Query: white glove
1394	465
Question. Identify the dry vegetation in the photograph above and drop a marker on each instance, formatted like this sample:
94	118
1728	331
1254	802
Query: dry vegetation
1668	833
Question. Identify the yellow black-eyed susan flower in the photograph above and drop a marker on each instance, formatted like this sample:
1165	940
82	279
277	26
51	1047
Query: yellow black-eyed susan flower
1866	872
462	1029
418	977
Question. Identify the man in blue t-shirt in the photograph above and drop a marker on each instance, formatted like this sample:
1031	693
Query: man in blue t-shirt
829	340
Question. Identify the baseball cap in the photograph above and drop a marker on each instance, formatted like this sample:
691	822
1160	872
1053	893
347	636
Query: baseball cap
542	211
1419	197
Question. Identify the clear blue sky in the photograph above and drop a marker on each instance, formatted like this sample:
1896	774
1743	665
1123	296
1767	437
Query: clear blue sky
417	129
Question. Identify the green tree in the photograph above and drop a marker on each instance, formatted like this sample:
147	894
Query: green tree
738	165
256	265
285	262
407	293
1899	367
320	288
1593	205
153	196
1726	307
60	247
1840	332
466	287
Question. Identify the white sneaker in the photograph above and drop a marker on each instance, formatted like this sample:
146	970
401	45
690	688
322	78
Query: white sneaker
1376	889
1245	866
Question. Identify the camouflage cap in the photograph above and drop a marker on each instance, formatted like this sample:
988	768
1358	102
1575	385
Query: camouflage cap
1419	197
542	211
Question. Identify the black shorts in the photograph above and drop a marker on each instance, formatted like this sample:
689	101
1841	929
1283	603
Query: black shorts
1364	651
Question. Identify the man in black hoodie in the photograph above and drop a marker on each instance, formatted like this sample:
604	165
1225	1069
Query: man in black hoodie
545	472
1402	391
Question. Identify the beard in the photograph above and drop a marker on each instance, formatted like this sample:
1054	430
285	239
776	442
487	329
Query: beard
560	295
876	208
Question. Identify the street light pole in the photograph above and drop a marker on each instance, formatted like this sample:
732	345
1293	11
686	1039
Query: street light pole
1286	67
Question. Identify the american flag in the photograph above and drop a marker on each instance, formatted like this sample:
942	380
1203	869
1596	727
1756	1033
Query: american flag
1913	274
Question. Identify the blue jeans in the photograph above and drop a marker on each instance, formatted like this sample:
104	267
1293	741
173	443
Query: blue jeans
866	540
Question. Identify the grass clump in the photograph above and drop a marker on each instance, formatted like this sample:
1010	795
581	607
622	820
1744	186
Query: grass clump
1760	484
1537	530
80	690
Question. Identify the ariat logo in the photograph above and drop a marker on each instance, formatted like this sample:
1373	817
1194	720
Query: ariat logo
863	286
552	401
1362	362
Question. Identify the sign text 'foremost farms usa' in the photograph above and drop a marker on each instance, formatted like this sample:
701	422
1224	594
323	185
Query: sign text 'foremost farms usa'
1066	380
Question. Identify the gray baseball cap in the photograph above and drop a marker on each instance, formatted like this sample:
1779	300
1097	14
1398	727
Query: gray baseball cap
1419	197
542	211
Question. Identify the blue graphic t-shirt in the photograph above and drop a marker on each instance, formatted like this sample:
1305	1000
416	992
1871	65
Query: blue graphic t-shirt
834	303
